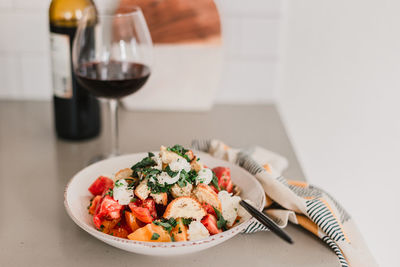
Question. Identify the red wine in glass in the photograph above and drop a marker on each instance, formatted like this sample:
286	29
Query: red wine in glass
112	56
114	79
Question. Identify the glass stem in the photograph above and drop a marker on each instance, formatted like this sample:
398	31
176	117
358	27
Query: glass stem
113	104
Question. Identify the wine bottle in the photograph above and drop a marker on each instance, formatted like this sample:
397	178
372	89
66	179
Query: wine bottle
76	111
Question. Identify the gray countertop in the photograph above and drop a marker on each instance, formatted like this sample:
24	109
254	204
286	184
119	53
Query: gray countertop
35	167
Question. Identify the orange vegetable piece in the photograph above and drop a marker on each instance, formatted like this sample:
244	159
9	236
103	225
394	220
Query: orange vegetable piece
150	233
179	232
119	232
108	225
132	221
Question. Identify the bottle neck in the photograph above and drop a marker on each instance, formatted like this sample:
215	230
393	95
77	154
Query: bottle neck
67	13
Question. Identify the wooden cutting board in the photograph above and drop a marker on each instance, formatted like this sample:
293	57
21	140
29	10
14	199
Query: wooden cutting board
187	55
180	21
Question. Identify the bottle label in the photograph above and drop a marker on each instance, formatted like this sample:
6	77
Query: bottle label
61	65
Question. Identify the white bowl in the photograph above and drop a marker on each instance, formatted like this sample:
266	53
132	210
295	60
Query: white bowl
77	197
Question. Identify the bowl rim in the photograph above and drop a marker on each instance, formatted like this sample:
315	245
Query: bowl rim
231	232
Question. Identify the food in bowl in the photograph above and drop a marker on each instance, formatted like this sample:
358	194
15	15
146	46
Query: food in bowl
166	197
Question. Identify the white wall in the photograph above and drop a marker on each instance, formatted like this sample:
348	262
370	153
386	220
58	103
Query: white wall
339	95
251	33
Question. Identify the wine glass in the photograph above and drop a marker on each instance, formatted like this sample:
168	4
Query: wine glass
112	56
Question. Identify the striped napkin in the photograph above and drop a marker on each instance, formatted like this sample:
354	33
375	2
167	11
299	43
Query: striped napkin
303	204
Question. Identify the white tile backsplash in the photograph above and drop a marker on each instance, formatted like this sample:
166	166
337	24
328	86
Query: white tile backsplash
32	32
32	4
10	78
232	30
250	31
6	3
36	81
23	32
8	33
261	8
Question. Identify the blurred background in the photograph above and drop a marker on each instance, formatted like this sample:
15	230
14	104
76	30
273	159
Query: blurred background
250	32
331	68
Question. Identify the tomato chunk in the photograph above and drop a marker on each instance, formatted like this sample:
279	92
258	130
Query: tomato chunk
142	214
229	186
97	221
109	208
210	222
221	171
209	209
224	178
150	204
100	185
144	211
93	205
